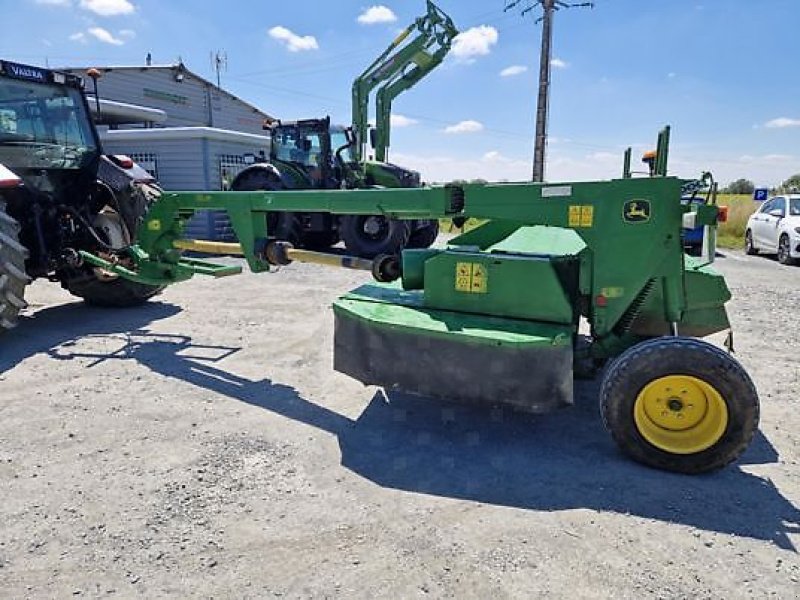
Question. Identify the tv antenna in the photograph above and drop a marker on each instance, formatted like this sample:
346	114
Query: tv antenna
219	63
543	105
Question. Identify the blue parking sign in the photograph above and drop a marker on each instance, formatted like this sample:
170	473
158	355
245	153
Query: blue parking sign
760	194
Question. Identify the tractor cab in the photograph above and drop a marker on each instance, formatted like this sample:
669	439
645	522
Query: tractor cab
46	133
313	150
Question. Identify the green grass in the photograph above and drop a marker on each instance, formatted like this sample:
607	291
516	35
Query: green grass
740	207
730	234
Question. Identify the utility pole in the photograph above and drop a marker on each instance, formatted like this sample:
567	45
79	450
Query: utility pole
543	104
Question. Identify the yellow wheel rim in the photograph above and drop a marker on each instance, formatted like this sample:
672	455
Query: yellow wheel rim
680	414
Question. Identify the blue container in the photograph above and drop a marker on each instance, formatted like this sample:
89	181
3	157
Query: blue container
692	238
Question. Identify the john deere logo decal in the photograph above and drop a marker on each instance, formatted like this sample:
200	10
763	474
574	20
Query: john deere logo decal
636	211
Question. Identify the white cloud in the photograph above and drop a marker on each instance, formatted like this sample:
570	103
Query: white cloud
447	168
108	8
476	41
782	123
513	70
568	165
468	126
78	37
402	121
557	63
292	41
377	14
748	159
128	34
104	36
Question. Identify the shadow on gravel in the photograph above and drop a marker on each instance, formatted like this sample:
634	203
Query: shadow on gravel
64	323
560	461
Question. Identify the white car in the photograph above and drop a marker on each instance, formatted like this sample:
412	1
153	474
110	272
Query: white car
775	229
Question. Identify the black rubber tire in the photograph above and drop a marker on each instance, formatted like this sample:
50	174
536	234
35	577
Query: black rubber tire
784	249
13	278
424	235
119	292
319	240
749	247
257	177
281	225
626	376
391	239
285	226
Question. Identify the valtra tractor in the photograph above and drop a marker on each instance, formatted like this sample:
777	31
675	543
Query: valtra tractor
60	195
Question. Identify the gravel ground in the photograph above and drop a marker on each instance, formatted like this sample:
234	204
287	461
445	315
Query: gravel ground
202	447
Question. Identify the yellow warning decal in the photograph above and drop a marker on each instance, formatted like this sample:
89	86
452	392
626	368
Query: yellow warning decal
587	215
612	292
581	216
154	225
463	277
574	216
471	278
478	279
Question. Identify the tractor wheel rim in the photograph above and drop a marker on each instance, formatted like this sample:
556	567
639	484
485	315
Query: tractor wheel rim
374	227
680	414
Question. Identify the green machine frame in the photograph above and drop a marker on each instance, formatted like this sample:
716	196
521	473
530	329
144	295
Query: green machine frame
553	278
610	250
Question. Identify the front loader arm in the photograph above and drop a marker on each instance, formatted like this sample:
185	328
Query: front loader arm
405	62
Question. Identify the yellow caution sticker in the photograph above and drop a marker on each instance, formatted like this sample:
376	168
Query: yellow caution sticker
471	278
581	216
154	225
463	277
574	216
587	215
612	292
478	279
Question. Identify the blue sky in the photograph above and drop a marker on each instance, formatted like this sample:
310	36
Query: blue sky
723	73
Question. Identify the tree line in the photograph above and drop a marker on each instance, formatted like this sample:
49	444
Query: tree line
745	186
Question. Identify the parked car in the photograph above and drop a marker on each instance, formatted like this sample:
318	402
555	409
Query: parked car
775	229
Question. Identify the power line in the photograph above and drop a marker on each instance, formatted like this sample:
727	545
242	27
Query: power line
543	104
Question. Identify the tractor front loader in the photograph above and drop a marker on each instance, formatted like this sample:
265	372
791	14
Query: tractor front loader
313	154
493	318
60	196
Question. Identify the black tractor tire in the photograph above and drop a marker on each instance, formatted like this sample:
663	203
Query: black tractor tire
390	236
749	248
679	404
281	225
320	240
117	292
784	250
424	235
13	278
285	226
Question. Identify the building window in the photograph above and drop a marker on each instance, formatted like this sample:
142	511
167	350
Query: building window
230	165
148	161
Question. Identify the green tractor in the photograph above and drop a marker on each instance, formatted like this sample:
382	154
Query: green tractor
313	154
60	196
